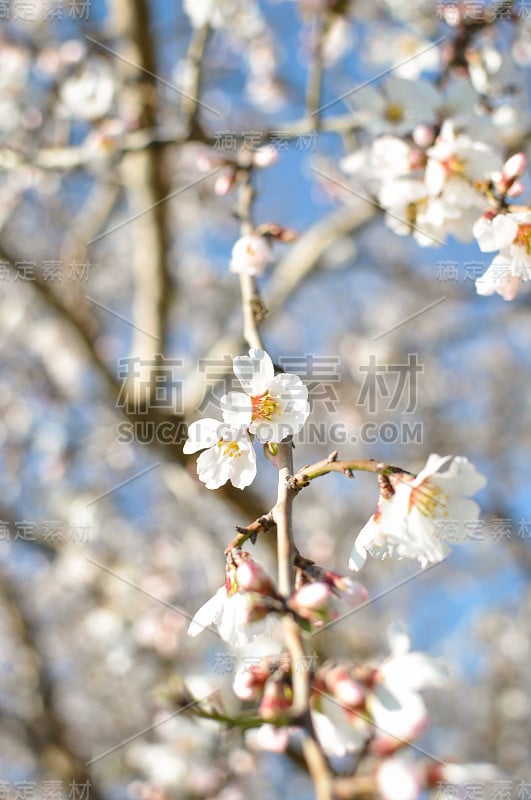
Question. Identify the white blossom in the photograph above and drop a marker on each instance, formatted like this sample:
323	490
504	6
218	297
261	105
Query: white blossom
511	235
228	453
250	254
90	94
398	779
398	106
271	406
230	613
421	512
397	709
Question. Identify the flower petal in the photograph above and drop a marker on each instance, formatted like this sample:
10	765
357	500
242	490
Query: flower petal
414	671
460	478
213	467
243	469
494	234
201	434
237	409
255	372
208	614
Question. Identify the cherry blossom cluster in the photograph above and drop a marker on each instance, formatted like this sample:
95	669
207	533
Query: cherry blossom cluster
433	159
270	408
249	596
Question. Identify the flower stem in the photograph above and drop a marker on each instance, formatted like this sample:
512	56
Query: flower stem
300	675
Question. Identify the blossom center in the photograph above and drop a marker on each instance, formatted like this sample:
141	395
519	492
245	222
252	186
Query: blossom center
523	237
394	112
230	449
265	406
455	165
429	499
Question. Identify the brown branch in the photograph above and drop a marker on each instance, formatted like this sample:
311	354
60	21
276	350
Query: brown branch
252	306
297	265
315	71
306	474
144	178
261	525
81	330
301	678
190	101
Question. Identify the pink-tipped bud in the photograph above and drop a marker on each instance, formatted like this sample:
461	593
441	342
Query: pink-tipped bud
514	167
249	682
224	183
276	700
452	14
398	779
269	738
515	189
276	231
245	687
354	592
311	597
423	135
251	577
344	688
206	161
265	156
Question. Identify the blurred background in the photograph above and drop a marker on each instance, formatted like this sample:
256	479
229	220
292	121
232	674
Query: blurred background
119	319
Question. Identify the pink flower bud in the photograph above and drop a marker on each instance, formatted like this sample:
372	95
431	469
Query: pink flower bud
265	156
249	682
452	15
352	592
397	779
251	577
514	167
276	699
311	597
207	161
515	189
423	135
344	688
224	183
267	737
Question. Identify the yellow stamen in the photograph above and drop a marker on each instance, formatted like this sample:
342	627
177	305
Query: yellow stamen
394	112
265	407
523	237
430	500
230	449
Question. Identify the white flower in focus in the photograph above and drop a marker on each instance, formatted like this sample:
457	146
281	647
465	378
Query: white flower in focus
398	106
250	254
271	406
229	453
511	235
231	614
421	512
